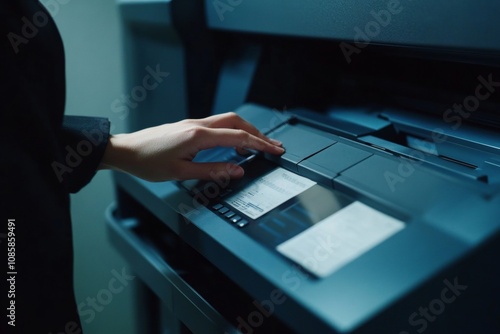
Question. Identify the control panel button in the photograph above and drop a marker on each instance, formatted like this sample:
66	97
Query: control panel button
235	219
223	210
217	206
229	214
242	223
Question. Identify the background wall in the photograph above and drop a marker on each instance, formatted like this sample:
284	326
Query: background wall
91	34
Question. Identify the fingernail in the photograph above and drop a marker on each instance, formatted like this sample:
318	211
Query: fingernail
276	142
236	171
279	149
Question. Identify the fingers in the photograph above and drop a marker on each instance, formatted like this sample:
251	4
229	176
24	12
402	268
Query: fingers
238	138
232	121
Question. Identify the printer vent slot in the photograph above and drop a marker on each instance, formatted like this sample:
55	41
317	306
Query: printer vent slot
463	163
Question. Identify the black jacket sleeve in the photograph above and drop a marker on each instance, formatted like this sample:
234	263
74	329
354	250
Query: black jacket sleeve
83	141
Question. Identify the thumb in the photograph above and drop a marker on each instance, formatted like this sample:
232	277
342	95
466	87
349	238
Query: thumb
210	170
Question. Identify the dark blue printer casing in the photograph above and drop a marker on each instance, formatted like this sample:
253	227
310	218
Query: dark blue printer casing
394	104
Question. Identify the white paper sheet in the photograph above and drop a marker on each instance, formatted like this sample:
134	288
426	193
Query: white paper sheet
268	192
340	238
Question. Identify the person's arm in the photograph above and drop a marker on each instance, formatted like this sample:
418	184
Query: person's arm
165	152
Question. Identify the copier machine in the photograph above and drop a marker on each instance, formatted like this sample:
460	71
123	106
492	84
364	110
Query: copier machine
383	214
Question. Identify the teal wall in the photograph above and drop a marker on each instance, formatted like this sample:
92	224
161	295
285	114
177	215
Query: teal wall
91	34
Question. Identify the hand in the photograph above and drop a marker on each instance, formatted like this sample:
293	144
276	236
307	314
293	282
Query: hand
166	152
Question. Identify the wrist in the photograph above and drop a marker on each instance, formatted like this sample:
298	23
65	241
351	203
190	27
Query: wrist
118	154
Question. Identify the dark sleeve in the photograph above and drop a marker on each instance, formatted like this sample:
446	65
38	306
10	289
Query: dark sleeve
84	141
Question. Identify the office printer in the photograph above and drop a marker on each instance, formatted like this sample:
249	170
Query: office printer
382	216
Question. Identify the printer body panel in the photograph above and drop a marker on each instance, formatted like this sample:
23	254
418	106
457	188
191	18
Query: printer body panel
373	133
